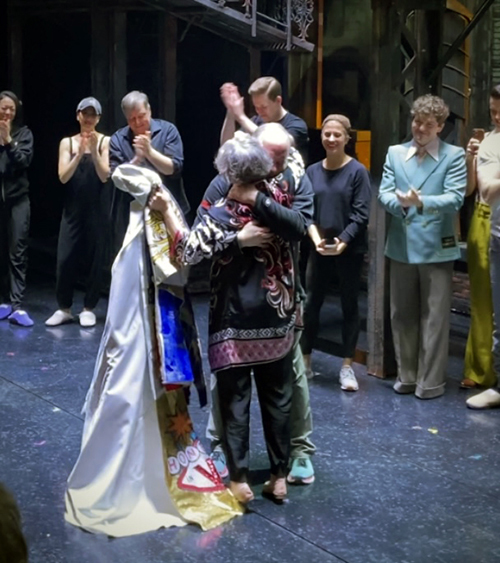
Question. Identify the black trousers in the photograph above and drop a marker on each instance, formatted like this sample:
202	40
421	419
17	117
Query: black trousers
274	390
83	240
14	231
321	270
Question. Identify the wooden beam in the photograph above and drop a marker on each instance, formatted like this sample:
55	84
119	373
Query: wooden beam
429	33
99	64
319	74
15	53
168	62
386	65
255	63
118	65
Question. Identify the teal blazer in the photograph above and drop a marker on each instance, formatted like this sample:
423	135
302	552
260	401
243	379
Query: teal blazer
429	234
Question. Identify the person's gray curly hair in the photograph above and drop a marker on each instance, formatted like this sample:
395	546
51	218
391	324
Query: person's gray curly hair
243	159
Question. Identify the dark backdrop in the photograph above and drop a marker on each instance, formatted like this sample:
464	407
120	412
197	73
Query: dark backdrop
57	74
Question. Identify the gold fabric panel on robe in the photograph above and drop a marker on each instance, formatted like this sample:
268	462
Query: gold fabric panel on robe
193	481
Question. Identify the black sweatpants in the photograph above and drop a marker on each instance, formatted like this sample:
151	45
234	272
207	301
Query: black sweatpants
274	389
321	270
14	231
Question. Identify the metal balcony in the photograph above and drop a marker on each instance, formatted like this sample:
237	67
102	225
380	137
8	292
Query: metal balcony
276	25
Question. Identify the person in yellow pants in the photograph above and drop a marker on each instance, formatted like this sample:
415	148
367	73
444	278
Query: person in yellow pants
478	368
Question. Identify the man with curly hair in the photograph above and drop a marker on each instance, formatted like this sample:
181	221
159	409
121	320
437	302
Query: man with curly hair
422	187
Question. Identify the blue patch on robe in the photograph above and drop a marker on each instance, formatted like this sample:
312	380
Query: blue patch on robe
178	368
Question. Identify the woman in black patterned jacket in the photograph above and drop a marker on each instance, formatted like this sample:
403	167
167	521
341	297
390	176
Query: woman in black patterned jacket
253	313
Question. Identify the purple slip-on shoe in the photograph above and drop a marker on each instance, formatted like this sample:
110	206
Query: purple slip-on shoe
5	311
20	318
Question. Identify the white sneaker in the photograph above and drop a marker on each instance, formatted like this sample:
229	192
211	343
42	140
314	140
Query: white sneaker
58	318
488	399
87	319
348	379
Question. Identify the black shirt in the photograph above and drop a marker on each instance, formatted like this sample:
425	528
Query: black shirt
342	202
296	127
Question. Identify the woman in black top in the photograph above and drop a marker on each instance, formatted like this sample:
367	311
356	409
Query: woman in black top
84	168
342	194
16	152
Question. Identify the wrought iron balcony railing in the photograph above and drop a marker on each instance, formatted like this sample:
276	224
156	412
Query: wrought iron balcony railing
286	15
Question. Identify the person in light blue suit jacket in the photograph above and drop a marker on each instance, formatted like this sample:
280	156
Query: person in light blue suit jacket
423	187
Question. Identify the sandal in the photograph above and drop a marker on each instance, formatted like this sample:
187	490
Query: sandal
241	492
275	489
467	383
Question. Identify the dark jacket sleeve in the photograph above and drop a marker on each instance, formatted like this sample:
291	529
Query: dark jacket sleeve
290	224
360	206
173	149
20	151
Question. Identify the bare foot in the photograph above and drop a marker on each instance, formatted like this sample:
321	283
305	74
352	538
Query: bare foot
275	488
241	492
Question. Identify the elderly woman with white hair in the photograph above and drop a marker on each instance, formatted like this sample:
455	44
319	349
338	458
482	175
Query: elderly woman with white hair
253	317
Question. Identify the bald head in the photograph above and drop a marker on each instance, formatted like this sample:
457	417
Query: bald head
277	142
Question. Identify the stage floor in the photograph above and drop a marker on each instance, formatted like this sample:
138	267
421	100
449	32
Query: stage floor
398	480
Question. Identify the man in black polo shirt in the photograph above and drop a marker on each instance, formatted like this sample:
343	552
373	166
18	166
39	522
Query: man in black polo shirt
152	143
268	103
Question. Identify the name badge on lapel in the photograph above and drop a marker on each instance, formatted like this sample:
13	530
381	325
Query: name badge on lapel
448	242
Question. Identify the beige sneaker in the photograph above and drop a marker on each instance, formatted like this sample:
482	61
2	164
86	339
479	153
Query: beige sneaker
58	318
488	399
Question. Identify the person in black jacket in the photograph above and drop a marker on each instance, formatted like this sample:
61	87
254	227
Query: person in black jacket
16	153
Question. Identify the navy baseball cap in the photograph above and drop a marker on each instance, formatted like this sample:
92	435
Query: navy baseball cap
90	103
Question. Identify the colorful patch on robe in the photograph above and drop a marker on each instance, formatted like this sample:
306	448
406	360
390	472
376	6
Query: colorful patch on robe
177	359
191	476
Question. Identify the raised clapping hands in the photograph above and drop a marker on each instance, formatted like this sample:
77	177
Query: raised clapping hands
93	139
329	249
83	144
142	145
409	198
253	234
5	137
232	99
